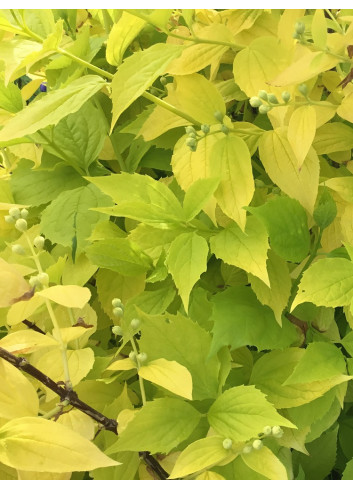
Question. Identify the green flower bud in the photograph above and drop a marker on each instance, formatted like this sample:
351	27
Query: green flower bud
205	128
264	109
218	115
43	278
135	324
24	213
15	212
190	130
142	357
257	444
39	242
272	98
163	80
191	142
255	102
154	92
295	35
225	129
277	431
18	249
33	281
285	96
259	183
9	219
118	312
116	302
21	225
117	330
267	430
132	356
300	27
262	94
303	89
227	443
247	449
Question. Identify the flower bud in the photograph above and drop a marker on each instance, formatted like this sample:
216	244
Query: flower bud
257	444
118	312
218	115
255	102
24	213
247	449
225	129
9	219
295	35
299	27
43	278
39	242
163	80
116	302
18	249
227	443
262	94
154	92
21	225
191	142
142	357
135	324
267	430
272	98
190	130
132	356
15	212
117	330
303	89
264	109
277	431
33	281
205	128
285	96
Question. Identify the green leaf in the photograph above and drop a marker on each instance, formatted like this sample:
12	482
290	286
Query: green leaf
78	138
287	226
10	97
129	461
158	427
197	196
52	108
326	210
138	72
186	261
121	36
265	462
119	255
240	413
241	320
70	217
156	205
199	455
348	472
246	250
320	361
154	301
186	343
328	282
37	444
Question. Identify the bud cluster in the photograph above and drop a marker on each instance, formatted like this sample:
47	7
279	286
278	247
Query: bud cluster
139	358
299	30
275	431
40	280
118	308
193	138
17	217
266	101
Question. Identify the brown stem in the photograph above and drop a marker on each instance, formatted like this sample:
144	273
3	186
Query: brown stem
302	325
154	465
33	326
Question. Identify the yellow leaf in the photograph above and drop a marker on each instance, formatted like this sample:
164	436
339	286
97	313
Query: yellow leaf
26	475
301	131
209	475
18	397
121	36
281	166
67	295
78	422
346	222
265	462
28	151
125	364
343	186
26	341
23	309
319	29
12	284
345	109
232	162
170	375
40	445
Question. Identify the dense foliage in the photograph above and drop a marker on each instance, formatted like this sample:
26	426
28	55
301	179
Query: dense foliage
176	244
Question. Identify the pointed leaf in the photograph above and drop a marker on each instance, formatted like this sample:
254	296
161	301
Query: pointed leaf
67	295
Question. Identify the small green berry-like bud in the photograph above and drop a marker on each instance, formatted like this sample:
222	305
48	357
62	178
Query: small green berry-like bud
118	312
267	430
219	116
285	96
163	80
303	89
247	449
39	242
300	27
142	357
191	142
255	102
116	302
259	183
227	443
272	98
9	219
262	94
117	330
132	356
24	213
264	109
205	128
277	431
225	129
190	130
15	212
295	35
257	444
21	225
135	324
18	249
33	281
43	278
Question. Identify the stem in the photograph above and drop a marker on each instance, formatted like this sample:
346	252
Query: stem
171	108
57	410
142	387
